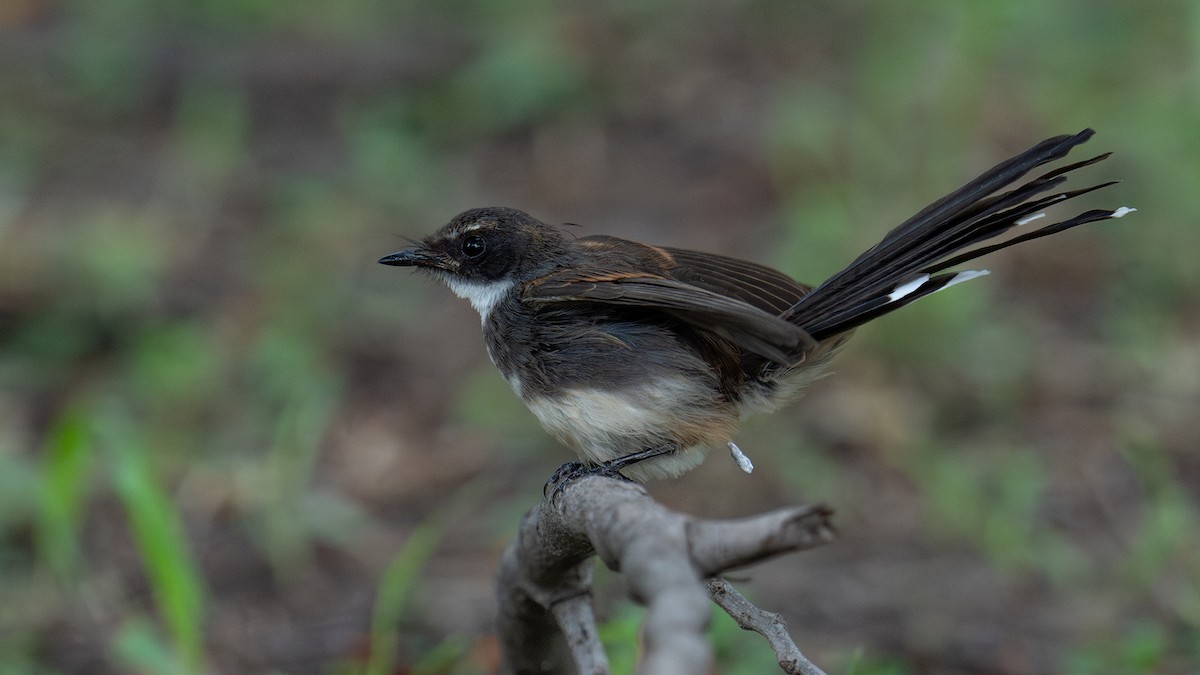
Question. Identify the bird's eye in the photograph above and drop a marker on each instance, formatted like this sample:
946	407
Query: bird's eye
473	246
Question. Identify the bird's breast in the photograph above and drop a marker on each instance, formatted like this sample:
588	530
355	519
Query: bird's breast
605	423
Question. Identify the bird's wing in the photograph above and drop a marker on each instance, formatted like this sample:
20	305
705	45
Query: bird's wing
754	284
734	300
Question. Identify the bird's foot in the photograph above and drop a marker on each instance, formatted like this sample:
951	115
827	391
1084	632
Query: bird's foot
572	471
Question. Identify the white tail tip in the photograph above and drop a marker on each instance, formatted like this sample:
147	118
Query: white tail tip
965	275
907	288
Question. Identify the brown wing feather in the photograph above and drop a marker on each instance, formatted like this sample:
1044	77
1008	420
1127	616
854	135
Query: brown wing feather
758	285
617	276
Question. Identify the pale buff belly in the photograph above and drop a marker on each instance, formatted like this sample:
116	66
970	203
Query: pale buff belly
602	424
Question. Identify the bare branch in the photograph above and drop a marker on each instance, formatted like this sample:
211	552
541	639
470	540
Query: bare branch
577	622
546	624
720	545
767	624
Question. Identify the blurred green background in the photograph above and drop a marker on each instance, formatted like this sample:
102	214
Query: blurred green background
231	443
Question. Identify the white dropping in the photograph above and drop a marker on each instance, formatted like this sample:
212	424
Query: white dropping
907	288
1124	210
740	457
483	296
1029	219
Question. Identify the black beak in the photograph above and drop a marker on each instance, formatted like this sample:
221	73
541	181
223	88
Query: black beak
413	257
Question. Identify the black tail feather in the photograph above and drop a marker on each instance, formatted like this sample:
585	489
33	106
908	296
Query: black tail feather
914	252
1054	228
875	307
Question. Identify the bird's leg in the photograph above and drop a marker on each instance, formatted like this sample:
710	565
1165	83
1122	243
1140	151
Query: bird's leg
614	466
611	468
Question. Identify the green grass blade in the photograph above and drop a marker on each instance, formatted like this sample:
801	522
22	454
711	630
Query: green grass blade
394	590
401	576
68	458
139	648
162	543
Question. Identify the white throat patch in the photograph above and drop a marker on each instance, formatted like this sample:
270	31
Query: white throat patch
483	295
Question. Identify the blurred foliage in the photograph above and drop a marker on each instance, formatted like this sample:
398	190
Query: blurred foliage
225	434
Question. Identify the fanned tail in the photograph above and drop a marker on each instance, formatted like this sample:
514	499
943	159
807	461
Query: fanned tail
910	262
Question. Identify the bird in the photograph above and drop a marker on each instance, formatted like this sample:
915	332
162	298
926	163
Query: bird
641	358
